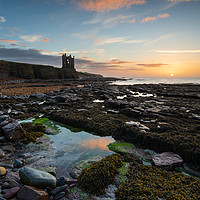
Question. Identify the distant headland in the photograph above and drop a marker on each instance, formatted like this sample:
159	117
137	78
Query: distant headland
34	71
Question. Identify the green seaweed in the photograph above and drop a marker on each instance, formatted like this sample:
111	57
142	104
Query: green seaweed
120	147
48	124
123	172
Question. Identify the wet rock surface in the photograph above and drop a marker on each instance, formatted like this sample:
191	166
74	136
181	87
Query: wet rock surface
163	118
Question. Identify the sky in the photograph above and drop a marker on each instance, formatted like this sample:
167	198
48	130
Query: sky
121	38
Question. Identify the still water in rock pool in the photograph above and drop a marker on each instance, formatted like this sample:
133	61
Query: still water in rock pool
66	148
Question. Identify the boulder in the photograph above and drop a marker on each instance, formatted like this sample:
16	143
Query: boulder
13	131
36	178
11	193
167	160
28	192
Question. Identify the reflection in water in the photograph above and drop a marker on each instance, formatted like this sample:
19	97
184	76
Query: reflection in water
98	143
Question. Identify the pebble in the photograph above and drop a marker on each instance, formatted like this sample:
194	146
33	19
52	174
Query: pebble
58	190
59	196
2	154
18	163
2	171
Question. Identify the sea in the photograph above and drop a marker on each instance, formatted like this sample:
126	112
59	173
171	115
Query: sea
158	80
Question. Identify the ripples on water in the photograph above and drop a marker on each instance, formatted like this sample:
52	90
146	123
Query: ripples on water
156	80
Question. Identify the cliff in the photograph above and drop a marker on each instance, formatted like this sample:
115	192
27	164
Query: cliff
32	71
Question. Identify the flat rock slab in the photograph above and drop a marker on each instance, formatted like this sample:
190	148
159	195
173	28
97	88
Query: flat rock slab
36	178
167	160
31	193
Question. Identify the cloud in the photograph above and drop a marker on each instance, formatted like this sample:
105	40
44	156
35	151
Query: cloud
162	37
87	63
107	5
177	51
134	41
8	41
109	22
29	55
46	40
152	65
18	45
13	30
31	38
2	19
111	40
148	19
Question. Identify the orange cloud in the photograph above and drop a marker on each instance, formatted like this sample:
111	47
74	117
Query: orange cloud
107	5
97	40
8	41
163	16
147	19
46	40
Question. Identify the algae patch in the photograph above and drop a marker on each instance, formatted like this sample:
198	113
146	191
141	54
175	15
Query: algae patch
121	147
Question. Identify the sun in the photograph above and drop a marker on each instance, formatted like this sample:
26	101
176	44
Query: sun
172	75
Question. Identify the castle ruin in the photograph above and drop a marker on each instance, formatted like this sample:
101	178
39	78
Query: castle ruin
67	61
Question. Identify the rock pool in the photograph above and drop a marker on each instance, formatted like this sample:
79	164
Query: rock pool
66	148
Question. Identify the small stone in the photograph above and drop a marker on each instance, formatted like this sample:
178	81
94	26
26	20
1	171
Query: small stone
5	185
32	193
58	190
7	164
3	117
9	148
59	196
4	191
2	171
70	181
61	181
18	163
2	154
14	183
11	193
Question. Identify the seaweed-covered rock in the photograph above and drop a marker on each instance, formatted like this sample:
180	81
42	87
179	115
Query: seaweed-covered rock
147	182
99	175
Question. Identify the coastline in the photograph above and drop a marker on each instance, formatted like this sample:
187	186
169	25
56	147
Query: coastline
159	117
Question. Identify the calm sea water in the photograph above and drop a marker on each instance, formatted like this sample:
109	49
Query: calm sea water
156	80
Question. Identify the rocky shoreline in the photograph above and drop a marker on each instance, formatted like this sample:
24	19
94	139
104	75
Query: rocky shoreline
163	118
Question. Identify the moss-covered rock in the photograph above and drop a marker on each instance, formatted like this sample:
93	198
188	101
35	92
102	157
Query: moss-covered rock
99	175
33	131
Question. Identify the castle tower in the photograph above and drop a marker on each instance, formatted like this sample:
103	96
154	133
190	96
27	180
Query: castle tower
67	61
